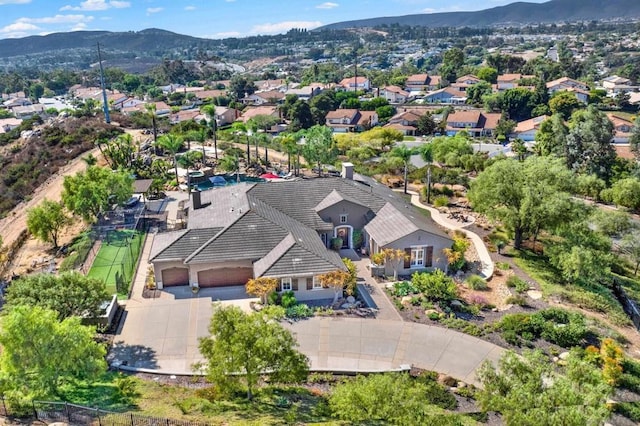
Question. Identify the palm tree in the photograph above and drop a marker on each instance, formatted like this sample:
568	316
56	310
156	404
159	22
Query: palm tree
426	152
404	154
200	136
188	160
210	111
288	143
231	163
172	144
151	111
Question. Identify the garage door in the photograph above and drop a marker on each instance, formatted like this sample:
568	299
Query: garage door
224	277
175	276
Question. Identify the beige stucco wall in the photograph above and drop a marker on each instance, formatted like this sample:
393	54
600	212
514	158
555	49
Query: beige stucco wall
303	294
355	218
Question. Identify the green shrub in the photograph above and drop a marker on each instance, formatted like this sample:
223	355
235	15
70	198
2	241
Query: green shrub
517	300
630	410
288	299
433	316
404	288
435	286
476	282
299	311
440	396
463	326
441	201
555	325
503	266
513	281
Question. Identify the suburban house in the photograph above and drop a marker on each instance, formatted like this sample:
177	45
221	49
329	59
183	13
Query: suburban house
225	116
185	115
285	231
465	81
447	95
304	93
475	123
355	83
526	130
422	82
251	112
262	98
351	120
204	95
8	124
510	81
580	89
268	85
28	111
395	94
622	128
615	84
405	122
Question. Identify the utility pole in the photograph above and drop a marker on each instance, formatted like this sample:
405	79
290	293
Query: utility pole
105	104
429	185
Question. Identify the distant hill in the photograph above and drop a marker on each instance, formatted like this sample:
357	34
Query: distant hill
511	14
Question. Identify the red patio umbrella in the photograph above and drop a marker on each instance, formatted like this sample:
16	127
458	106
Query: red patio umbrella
269	176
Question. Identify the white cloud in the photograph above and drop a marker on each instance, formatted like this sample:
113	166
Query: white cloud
80	26
95	5
280	27
152	10
327	5
442	9
189	8
57	19
224	34
14	2
18	27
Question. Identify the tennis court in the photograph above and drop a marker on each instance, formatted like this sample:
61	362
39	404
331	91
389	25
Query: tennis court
116	259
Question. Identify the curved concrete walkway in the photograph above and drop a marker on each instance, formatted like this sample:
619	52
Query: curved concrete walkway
363	345
440	219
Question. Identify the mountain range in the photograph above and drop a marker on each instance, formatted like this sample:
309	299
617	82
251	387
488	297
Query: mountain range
520	13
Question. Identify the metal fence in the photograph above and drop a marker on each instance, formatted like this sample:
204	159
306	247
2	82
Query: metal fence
49	412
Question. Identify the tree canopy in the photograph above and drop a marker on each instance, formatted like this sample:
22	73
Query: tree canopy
243	347
530	391
40	352
319	147
92	192
69	294
526	196
46	220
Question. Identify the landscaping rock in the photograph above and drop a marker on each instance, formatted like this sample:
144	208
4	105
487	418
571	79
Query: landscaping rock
346	306
351	299
455	304
563	356
534	294
430	311
461	385
406	300
447	381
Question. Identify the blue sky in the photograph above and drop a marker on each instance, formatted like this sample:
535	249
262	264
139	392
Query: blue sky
207	18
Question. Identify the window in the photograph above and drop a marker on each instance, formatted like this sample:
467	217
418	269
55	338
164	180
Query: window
285	284
316	283
343	218
417	257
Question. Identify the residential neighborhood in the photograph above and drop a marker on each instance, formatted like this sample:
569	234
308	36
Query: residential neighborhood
281	229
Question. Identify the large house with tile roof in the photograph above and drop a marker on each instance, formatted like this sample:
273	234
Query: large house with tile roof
350	120
285	231
475	123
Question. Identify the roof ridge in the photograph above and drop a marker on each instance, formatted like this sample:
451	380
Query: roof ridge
224	230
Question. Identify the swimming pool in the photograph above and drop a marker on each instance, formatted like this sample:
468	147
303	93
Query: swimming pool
216	182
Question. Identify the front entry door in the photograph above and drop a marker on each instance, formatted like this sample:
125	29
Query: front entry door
344	234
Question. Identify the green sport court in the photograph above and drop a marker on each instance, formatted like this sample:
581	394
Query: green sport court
116	259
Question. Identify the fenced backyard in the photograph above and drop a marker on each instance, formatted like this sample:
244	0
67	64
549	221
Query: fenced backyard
49	412
114	258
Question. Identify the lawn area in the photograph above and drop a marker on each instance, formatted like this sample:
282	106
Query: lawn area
597	298
116	260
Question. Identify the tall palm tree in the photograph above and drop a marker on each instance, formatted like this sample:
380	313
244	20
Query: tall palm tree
200	136
426	152
404	154
210	111
288	143
151	111
188	160
172	144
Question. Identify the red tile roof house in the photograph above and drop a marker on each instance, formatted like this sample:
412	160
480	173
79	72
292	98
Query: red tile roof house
262	98
395	94
526	130
475	123
622	128
284	231
351	120
510	81
422	82
580	89
405	122
356	83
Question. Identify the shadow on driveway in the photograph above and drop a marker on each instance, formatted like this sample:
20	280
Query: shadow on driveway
132	355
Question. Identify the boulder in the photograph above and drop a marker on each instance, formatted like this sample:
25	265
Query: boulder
447	381
406	300
351	299
563	356
456	304
430	311
534	294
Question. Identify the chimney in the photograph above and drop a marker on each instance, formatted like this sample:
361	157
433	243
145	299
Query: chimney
197	200
347	171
